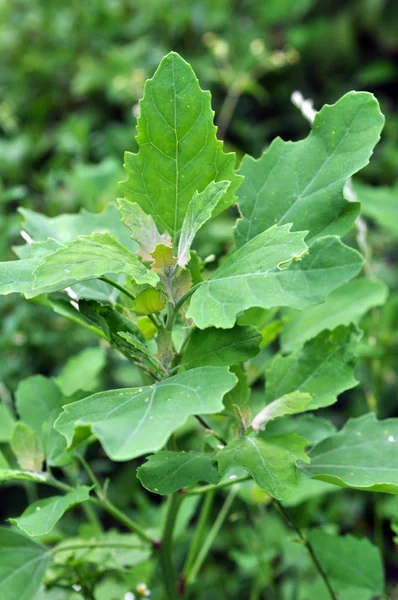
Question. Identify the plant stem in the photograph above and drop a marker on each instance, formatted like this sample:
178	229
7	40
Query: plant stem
228	108
210	430
118	287
95	544
201	557
199	531
92	476
203	489
165	553
289	521
172	316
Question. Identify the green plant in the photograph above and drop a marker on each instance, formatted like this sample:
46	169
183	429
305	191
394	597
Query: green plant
202	343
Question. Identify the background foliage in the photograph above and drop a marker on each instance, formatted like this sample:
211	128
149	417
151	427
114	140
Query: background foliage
70	78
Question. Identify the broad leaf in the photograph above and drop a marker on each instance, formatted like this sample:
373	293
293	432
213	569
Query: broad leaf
302	182
240	394
23	564
362	455
199	211
380	204
137	421
345	305
166	472
352	565
220	348
89	363
324	368
17	475
7	423
42	516
270	460
143	228
39	402
313	428
289	404
255	275
25	445
86	258
3	463
179	153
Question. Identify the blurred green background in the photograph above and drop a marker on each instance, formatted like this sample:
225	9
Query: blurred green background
71	75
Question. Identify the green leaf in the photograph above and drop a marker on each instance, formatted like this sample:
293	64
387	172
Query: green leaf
22	566
3	463
199	211
363	455
25	445
7	423
345	305
17	475
82	371
261	274
179	153
240	394
166	472
88	258
149	301
220	348
352	565
313	428
302	182
39	402
41	517
380	204
289	404
136	421
270	460
143	228
324	368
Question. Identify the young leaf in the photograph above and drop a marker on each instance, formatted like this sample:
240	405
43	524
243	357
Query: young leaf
271	461
199	211
22	566
302	182
220	348
363	455
353	565
179	153
324	368
143	228
166	472
89	362
42	516
39	402
25	445
137	421
255	276
289	404
345	305
89	257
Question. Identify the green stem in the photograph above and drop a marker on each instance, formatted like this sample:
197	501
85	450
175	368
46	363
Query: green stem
165	553
210	430
315	561
92	476
172	316
203	489
95	544
201	557
199	531
117	286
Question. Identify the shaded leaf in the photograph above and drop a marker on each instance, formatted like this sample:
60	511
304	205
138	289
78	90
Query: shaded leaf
302	182
25	445
166	472
7	423
136	421
380	204
82	371
16	475
178	150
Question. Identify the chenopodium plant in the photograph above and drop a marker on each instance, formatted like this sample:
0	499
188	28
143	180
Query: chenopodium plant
201	342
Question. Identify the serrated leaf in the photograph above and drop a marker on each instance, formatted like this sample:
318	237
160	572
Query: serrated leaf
220	348
7	423
89	362
363	455
162	258
89	257
143	228
260	274
344	306
25	445
137	421
352	565
179	153
324	368
380	204
288	404
42	516
302	182
39	402
199	211
270	460
166	472
22	566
